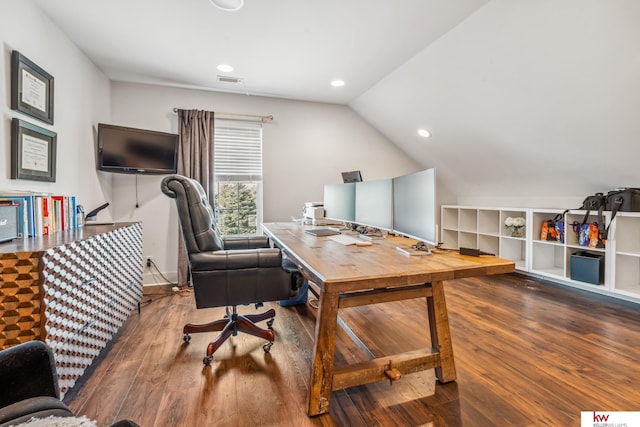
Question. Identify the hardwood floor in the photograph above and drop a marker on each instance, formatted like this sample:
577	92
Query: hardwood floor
527	353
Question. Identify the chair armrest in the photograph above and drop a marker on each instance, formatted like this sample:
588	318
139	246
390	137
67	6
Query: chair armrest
297	280
251	242
236	260
27	370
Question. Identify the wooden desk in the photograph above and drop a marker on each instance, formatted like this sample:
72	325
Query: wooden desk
350	276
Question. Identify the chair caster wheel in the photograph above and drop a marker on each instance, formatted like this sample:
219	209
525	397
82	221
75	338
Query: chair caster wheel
270	323
207	360
267	347
186	338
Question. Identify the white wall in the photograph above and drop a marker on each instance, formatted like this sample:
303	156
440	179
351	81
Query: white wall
81	99
531	103
306	146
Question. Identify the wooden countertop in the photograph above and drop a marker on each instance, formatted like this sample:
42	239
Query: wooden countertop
42	243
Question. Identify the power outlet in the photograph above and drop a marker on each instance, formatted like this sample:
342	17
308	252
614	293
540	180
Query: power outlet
149	261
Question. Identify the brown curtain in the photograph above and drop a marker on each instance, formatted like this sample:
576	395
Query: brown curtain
195	160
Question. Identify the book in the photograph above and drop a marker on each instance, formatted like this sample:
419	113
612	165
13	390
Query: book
38	215
27	200
73	207
46	216
26	213
58	213
22	218
67	213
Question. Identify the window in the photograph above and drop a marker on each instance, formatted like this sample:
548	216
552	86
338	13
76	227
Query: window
238	177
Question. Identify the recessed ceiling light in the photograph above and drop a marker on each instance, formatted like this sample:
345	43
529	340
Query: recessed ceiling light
424	133
337	83
225	68
228	5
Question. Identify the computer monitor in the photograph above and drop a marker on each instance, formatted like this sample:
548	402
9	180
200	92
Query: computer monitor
351	176
374	203
414	206
340	202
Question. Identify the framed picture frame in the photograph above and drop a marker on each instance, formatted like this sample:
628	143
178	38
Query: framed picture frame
31	88
33	152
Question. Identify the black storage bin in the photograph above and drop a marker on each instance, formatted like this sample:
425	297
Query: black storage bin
628	198
587	267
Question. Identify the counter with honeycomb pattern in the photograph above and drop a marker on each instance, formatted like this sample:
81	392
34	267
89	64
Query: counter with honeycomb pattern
74	293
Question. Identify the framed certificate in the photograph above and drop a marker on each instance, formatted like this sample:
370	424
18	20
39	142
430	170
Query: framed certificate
31	88
33	152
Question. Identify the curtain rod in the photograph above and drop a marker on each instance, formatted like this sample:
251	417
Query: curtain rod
248	116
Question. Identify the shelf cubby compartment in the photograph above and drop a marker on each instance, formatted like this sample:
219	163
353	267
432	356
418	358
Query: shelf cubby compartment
627	234
489	221
515	213
576	218
450	238
468	240
548	258
627	274
449	218
514	249
490	244
580	251
468	219
538	217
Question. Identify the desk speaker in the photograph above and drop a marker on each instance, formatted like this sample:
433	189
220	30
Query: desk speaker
8	222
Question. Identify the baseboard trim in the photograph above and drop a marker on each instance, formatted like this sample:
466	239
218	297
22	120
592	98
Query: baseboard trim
148	290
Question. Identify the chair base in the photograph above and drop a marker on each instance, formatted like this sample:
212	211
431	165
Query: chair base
230	326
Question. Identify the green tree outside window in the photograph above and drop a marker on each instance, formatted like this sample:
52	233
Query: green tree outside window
236	205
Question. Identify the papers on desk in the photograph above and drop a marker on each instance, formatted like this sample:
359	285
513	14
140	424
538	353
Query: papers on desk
349	240
321	232
412	251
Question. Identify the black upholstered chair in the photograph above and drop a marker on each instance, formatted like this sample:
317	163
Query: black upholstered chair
29	385
228	271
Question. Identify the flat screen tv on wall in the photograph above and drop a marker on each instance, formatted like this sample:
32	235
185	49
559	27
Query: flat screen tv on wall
137	151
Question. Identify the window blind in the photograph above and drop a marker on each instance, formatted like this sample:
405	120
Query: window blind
237	151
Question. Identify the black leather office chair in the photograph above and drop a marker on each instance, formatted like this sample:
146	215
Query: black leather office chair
227	272
30	386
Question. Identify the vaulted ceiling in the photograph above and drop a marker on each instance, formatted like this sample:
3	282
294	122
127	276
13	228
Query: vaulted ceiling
527	101
281	48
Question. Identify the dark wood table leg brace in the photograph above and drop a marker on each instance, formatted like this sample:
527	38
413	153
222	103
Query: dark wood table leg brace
320	384
440	333
440	356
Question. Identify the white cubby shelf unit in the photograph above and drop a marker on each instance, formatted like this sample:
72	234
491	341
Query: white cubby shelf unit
625	252
553	259
483	228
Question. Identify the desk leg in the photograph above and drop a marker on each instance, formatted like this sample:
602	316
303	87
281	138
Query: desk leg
321	380
440	333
